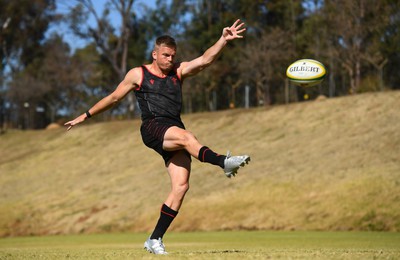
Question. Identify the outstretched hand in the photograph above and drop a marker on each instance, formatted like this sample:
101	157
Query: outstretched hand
233	32
76	121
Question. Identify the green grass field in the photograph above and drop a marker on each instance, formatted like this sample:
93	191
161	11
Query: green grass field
210	245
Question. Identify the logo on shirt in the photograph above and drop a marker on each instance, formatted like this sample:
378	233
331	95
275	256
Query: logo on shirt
174	79
151	81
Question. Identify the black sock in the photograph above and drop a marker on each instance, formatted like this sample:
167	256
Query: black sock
207	155
167	215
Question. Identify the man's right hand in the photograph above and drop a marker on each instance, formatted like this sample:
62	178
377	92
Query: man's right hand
76	121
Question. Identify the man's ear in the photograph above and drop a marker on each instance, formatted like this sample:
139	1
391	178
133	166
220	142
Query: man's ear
154	55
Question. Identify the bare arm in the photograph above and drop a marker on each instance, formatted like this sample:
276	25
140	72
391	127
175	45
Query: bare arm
211	54
131	79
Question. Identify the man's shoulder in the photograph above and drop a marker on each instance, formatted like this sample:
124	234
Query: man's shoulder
135	75
136	71
178	67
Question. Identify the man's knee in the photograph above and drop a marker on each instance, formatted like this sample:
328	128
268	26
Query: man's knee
181	189
186	138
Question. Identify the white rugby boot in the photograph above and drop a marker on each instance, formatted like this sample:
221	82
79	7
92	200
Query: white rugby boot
233	163
155	246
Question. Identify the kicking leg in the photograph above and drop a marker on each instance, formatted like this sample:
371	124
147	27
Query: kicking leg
176	138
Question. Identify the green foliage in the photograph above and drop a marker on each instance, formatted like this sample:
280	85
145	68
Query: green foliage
24	24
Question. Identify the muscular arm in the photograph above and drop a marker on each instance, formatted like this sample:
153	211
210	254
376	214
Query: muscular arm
131	79
193	67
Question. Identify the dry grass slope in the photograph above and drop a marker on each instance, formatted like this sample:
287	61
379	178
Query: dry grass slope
322	165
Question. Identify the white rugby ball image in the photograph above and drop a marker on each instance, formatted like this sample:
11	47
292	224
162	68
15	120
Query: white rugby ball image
306	72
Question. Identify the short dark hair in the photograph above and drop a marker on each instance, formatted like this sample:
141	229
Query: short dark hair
166	40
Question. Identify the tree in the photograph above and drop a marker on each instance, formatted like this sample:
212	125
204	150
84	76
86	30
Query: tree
378	46
23	26
316	42
390	44
272	44
267	57
113	46
42	89
353	22
213	88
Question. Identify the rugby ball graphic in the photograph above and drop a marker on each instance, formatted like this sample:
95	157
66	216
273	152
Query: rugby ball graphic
306	72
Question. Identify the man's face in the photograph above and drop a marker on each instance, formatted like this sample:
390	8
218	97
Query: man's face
164	57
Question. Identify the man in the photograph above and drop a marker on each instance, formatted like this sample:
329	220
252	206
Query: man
158	90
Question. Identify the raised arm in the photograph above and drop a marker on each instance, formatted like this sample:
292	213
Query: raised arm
193	67
131	79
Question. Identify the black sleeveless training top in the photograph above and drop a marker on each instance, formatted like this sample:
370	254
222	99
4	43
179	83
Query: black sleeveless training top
160	97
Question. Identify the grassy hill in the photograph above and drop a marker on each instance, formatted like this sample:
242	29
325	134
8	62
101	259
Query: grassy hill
323	165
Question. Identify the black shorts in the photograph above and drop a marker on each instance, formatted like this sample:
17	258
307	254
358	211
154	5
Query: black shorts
153	131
